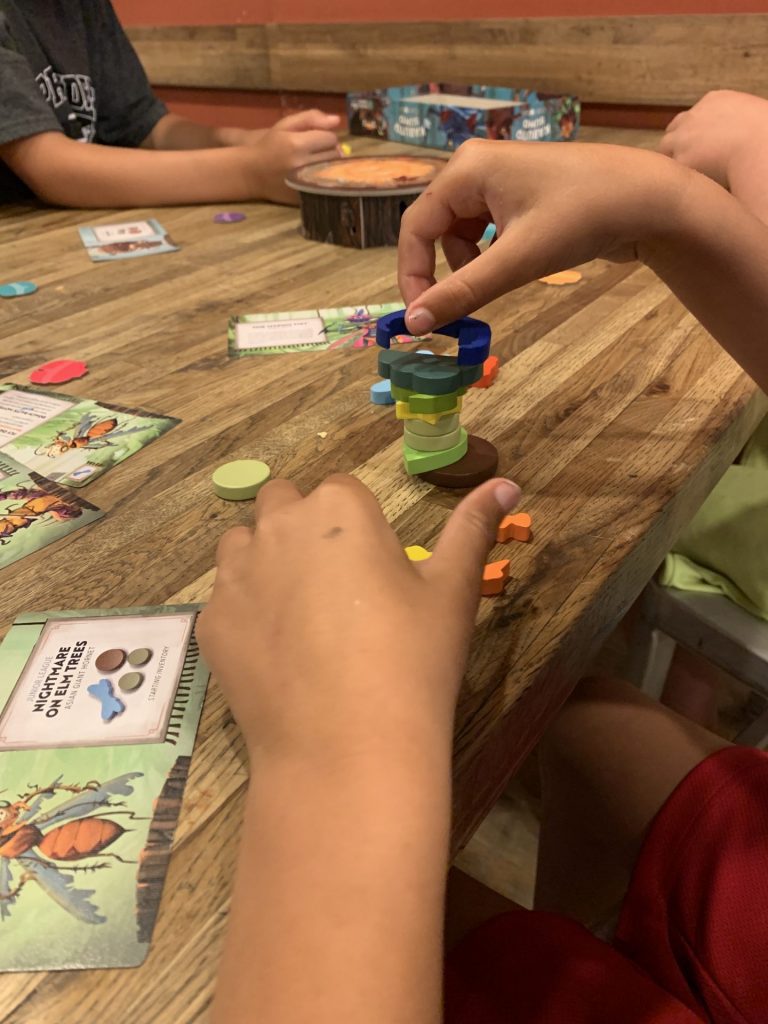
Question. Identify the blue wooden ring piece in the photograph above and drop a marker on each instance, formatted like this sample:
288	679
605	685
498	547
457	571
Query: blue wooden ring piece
473	336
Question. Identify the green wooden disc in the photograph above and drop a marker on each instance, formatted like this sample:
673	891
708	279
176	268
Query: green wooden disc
130	681
139	657
237	481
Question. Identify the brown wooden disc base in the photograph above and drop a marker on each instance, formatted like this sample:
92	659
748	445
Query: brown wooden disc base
479	464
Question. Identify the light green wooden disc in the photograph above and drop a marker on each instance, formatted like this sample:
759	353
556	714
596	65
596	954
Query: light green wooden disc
237	481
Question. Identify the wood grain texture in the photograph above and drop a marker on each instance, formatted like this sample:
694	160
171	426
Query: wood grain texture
204	56
613	409
669	60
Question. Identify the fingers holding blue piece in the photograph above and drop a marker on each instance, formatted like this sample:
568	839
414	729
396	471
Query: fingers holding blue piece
473	336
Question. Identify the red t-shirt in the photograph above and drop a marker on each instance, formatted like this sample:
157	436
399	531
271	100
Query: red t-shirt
692	939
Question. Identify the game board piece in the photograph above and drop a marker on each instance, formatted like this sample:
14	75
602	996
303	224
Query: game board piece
345	149
229	217
14	289
416	553
418	405
514	527
433	443
446	424
110	705
428	375
322	433
58	371
473	336
381	393
562	277
423	462
495	576
490	372
403	411
130	681
139	657
241	479
111	660
424	352
479	464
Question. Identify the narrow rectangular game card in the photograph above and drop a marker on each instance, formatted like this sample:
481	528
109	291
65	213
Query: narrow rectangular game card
98	715
72	440
310	329
126	241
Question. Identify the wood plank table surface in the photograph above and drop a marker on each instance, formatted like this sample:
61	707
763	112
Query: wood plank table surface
613	409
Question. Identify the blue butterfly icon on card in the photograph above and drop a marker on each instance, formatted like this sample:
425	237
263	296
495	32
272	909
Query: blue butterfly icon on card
110	705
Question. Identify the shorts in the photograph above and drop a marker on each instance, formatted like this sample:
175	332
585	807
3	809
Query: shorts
692	939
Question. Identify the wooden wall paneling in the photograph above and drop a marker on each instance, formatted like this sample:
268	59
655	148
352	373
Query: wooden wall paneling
665	60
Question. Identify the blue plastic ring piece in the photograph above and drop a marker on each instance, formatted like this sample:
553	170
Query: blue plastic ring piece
473	336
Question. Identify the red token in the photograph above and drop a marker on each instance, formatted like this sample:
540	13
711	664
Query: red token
58	372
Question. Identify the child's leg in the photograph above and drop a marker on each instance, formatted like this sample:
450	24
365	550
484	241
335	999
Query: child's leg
608	763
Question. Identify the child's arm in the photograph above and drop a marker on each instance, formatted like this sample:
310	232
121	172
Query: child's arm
725	136
341	661
555	206
175	132
65	172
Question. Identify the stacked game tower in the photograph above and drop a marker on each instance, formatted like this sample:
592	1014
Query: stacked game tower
428	391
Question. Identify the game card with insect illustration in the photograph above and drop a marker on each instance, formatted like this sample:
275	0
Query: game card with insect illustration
307	330
72	440
106	242
35	512
98	715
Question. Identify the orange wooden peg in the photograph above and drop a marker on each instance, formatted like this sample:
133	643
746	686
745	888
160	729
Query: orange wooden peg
515	527
490	370
495	576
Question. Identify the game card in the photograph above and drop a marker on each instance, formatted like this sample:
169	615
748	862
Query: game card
35	512
72	440
98	715
126	241
314	329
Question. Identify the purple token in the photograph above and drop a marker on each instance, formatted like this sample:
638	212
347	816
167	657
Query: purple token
229	218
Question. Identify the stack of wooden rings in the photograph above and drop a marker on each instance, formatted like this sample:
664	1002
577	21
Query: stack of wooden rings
428	392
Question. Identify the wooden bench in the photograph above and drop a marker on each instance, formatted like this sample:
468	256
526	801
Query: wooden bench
665	60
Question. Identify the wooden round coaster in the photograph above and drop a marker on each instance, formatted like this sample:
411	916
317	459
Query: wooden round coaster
479	464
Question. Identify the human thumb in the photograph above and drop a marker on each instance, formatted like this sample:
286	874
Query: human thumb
462	550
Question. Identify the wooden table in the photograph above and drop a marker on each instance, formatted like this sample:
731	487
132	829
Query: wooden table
613	409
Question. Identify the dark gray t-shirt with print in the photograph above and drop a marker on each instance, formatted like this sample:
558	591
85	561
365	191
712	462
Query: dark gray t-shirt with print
67	65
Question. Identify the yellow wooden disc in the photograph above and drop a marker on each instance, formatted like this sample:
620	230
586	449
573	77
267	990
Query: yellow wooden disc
240	480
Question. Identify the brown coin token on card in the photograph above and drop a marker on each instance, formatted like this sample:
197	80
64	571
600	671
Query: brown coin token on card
139	657
478	465
130	681
111	660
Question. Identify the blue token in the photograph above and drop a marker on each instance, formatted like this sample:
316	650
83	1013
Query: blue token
489	234
381	393
10	291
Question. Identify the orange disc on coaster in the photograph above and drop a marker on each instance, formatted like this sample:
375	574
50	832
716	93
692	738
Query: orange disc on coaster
563	277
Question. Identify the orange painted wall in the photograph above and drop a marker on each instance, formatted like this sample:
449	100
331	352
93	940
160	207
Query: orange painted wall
253	110
229	12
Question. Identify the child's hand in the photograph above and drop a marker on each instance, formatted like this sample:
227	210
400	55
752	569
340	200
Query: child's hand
298	139
554	206
325	638
718	132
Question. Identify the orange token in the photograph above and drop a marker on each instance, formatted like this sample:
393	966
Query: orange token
562	277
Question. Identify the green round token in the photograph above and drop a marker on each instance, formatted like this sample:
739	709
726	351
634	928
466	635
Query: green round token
237	481
139	657
130	681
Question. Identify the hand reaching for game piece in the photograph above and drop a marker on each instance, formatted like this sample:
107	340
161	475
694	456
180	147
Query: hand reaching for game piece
550	213
557	205
325	638
297	139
